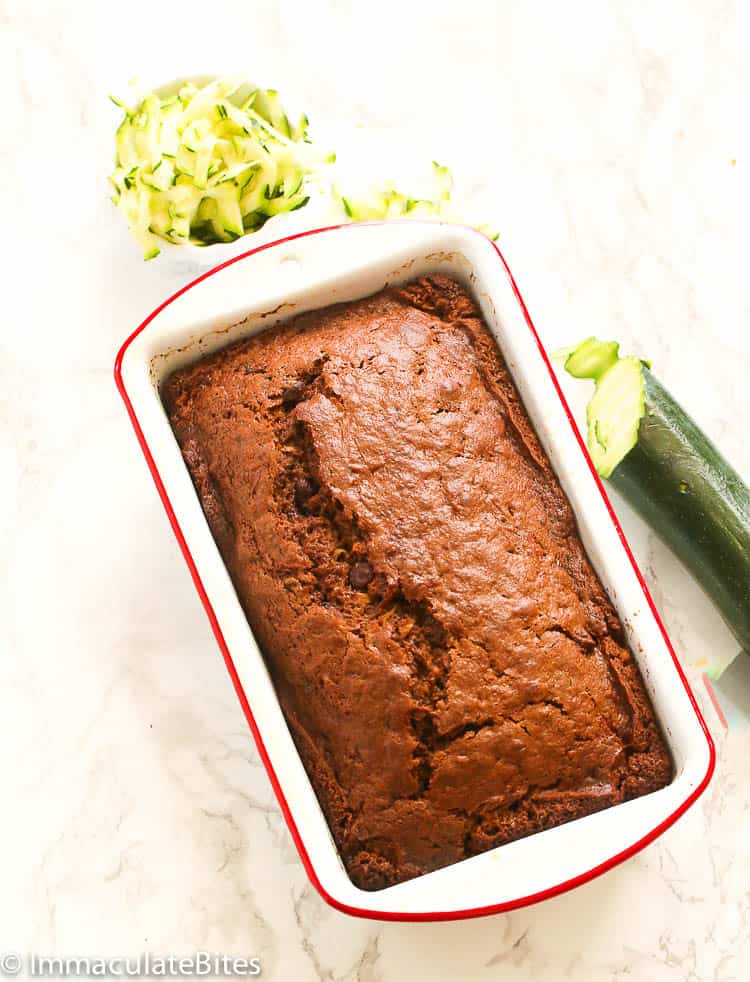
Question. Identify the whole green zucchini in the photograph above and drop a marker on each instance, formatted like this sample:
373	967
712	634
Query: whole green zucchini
668	470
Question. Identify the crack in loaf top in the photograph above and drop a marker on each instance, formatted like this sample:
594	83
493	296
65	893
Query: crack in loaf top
451	669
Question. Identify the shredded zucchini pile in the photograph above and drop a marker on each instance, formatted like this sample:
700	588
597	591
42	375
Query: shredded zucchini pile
208	164
214	162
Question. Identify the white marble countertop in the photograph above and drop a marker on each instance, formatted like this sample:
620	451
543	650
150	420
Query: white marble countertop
609	143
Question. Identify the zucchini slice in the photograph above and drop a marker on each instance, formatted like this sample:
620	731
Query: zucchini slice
591	358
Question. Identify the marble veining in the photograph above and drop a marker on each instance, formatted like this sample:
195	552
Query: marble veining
610	147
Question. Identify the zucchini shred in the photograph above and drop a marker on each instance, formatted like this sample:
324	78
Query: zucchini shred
386	201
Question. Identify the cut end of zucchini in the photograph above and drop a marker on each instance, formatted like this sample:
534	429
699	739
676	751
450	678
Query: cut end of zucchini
614	413
618	404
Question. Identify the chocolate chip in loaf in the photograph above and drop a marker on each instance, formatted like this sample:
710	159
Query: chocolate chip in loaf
304	491
293	393
360	575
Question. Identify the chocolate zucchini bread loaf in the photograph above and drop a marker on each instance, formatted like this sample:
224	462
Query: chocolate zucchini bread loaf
450	668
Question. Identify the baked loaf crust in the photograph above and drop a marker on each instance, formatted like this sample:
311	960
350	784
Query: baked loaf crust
450	668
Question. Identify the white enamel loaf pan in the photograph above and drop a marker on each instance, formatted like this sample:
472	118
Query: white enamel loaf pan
267	286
